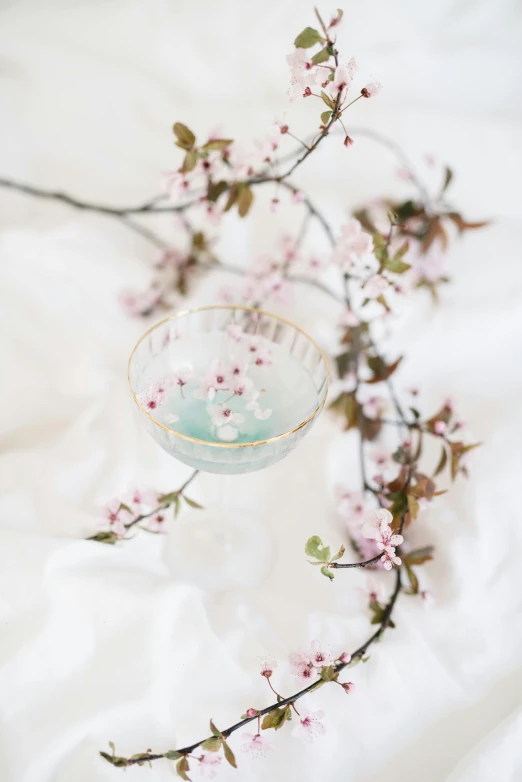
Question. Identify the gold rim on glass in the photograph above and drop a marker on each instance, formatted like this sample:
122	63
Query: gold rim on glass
231	308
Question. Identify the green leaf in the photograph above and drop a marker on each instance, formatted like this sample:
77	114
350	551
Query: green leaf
413	506
448	176
414	581
217	143
327	573
396	266
173	754
214	730
343	362
186	138
105	537
114	760
339	554
125	507
216	189
276	718
168	499
111	745
182	768
177	506
229	755
212	745
316	549
232	197
189	163
381	370
442	462
328	673
246	198
322	56
401	252
419	556
192	503
308	38
326	99
325	116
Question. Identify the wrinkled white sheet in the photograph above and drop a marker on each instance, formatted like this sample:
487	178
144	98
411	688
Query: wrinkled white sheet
100	643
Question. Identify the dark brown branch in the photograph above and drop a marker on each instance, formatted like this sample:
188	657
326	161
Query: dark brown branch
366	563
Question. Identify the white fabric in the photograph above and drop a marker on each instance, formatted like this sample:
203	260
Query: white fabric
100	643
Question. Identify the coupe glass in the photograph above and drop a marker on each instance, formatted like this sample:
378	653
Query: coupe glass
227	390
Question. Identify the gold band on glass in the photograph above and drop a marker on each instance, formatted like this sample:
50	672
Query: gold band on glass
230	308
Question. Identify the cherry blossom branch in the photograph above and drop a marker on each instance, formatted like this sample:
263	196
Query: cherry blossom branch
118	513
144	757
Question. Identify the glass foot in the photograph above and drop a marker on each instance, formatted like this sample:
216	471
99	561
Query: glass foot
218	549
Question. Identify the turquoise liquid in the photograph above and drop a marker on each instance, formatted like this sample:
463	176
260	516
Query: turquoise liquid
285	385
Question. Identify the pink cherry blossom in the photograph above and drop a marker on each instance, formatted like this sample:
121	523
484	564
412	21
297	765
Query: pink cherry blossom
238	368
140	500
374	406
150	400
353	506
140	304
371	89
116	516
216	380
353	246
303	73
375	286
345	658
377	527
268	666
177	185
319	655
182	375
298	197
341	82
157	522
309	726
256	744
348	318
302	667
262	415
348	687
404	174
439	427
162	385
221	414
207	764
171	418
235	332
382	458
244	387
316	265
431	267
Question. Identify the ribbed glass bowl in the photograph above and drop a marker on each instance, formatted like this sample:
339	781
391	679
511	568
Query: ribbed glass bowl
186	337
